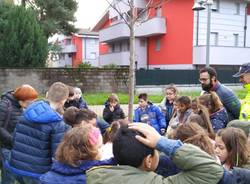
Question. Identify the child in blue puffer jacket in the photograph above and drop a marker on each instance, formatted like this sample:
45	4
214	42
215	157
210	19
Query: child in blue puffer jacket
150	114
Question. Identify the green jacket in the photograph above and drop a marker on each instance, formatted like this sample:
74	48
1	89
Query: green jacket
245	105
198	168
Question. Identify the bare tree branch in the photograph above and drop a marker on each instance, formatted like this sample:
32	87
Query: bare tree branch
118	8
119	12
129	2
126	3
149	6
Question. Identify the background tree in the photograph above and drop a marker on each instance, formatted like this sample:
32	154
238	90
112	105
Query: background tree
133	18
10	2
55	16
22	41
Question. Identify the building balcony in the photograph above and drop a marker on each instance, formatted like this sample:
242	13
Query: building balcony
68	48
117	58
152	27
221	55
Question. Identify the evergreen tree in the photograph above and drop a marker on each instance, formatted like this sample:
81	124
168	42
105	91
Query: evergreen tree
55	16
22	41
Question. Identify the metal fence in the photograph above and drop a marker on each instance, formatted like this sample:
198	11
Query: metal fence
163	77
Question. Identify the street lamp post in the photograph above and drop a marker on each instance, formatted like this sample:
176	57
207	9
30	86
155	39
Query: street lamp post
208	34
201	5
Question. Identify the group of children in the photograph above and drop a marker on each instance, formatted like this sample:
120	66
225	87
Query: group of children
59	140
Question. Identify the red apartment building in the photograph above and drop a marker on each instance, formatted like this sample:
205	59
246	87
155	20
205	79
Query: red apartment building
172	36
81	47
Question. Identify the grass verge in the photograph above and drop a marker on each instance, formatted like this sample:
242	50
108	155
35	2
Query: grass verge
100	98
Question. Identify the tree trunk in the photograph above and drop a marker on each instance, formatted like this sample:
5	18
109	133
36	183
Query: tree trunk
132	64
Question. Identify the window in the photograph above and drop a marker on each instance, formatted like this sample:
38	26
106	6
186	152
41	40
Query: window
91	41
125	45
158	11
92	55
97	41
114	20
111	48
142	42
216	5
120	46
68	41
143	14
117	47
158	44
237	8
126	16
214	38
236	40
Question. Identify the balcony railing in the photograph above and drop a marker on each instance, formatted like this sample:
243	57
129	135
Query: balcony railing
68	48
119	58
152	27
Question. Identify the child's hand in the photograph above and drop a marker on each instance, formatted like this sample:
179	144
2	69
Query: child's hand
111	108
151	135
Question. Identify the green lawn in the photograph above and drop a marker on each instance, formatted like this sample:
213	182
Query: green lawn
100	98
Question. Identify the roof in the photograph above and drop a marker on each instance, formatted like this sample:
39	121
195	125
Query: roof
87	32
102	21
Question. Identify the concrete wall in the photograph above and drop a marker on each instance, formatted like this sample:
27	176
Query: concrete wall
89	80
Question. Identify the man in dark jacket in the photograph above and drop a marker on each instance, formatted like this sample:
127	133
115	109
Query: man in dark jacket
209	82
11	107
37	135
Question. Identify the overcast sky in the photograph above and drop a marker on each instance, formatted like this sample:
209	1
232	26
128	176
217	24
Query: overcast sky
89	12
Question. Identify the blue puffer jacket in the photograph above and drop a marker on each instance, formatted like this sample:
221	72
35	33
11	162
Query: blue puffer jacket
156	118
66	174
35	140
219	119
229	100
236	176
